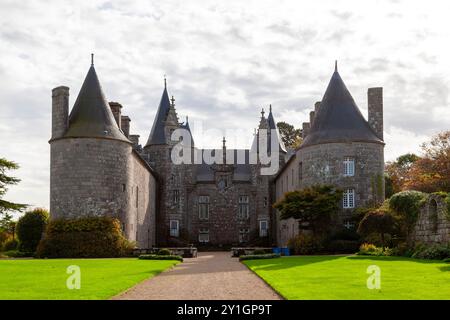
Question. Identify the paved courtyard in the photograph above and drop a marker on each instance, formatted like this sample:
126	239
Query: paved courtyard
213	275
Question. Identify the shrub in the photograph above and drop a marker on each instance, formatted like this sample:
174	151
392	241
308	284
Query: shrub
87	237
259	251
406	205
4	236
164	252
305	244
160	257
30	228
367	249
342	246
11	244
432	252
18	254
403	249
259	256
378	221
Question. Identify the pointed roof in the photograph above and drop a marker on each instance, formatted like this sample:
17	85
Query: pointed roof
91	115
273	125
157	135
338	118
188	128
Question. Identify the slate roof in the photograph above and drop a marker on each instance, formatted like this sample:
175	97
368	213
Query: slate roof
242	172
273	125
91	115
339	118
157	135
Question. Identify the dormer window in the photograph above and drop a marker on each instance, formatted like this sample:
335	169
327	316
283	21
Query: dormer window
349	166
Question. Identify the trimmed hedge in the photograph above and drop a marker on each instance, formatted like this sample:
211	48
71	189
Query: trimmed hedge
87	237
259	256
18	254
30	228
164	252
160	257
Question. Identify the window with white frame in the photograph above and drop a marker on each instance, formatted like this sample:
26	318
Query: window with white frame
349	198
349	166
174	228
203	207
203	235
243	207
263	228
244	235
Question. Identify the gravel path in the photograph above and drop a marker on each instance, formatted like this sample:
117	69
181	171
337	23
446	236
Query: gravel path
211	276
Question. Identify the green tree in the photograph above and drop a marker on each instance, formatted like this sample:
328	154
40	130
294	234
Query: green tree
5	180
406	206
378	221
30	228
316	206
291	137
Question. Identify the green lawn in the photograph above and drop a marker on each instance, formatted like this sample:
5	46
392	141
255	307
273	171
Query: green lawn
100	278
345	277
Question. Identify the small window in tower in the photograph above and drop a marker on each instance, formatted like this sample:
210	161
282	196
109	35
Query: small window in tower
292	177
349	167
175	196
124	187
263	228
174	228
349	199
243	235
137	196
300	171
265	202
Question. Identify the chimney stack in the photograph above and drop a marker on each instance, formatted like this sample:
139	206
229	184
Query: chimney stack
60	111
305	129
375	107
125	122
311	118
117	112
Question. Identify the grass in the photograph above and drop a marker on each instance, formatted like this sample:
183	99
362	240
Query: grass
100	278
345	277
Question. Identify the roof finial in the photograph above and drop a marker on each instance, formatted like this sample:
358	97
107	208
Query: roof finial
173	101
92	59
187	119
165	82
270	108
262	113
224	142
335	65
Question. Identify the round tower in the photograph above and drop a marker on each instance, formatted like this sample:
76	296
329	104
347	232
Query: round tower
89	156
342	149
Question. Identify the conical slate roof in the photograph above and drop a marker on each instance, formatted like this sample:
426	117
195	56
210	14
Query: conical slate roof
338	118
273	125
157	135
91	115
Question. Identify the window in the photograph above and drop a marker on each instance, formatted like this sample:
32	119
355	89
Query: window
300	171
174	228
203	235
243	207
137	196
292	177
243	235
203	207
175	196
265	202
349	199
349	167
263	228
124	187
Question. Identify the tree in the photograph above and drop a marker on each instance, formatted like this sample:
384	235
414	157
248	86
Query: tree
30	228
431	173
377	221
291	137
398	171
5	180
316	205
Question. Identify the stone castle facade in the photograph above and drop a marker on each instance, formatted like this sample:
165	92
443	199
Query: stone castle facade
99	168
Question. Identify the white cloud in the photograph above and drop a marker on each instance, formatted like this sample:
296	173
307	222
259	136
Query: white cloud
224	61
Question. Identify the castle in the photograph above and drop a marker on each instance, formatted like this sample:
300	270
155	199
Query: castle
99	168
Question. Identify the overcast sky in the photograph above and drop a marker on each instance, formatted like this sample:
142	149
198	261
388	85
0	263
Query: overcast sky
224	60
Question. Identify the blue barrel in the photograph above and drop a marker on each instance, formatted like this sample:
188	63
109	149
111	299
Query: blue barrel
285	251
277	250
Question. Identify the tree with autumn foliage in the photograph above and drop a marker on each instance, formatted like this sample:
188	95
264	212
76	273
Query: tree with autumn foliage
292	138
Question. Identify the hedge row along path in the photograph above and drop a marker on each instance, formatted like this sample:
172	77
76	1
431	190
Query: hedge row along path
212	276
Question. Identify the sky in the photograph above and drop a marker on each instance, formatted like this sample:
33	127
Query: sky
224	61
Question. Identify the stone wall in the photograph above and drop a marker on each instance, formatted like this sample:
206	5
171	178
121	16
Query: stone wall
433	222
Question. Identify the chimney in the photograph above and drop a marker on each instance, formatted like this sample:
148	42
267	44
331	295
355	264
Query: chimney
305	128
125	122
134	138
311	118
116	110
316	107
375	106
60	111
